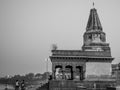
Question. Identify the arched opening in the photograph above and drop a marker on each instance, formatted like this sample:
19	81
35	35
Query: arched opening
68	72
79	72
58	72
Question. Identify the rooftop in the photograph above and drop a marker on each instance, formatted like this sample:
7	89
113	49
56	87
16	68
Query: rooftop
80	53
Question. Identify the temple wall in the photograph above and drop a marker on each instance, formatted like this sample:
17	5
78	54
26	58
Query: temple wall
98	68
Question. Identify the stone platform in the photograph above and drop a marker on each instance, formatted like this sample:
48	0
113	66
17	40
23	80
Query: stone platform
80	85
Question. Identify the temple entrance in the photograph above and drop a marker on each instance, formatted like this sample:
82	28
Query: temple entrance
58	72
79	72
68	73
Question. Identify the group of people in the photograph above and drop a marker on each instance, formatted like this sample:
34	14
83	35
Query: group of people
20	86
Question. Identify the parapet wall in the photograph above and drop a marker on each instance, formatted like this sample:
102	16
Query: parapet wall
80	53
80	85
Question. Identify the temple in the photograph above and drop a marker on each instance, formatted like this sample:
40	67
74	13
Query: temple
71	68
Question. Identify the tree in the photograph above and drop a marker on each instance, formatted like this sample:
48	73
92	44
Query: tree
29	75
38	75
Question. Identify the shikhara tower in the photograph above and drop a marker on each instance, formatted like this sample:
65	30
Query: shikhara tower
94	60
94	40
94	37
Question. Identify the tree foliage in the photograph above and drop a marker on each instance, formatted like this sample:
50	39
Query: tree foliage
28	78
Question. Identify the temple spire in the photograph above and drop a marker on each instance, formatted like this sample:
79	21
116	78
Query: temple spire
93	21
94	37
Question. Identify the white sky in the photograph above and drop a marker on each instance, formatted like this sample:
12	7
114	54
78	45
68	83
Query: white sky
28	28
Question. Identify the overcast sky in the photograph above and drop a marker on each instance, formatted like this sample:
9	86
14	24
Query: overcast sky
28	28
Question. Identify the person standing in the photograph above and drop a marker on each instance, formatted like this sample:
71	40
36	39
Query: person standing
23	85
17	85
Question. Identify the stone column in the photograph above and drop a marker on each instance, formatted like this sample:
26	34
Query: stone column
53	71
74	72
82	73
63	71
84	70
53	75
72	76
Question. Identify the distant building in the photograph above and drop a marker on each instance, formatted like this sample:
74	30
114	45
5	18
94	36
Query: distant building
91	64
116	72
115	68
